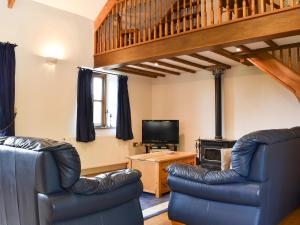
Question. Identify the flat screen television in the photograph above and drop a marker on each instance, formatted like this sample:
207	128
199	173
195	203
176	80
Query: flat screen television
160	132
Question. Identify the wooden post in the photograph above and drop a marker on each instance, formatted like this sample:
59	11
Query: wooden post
228	10
198	13
272	5
109	25
125	33
149	25
204	14
140	21
178	17
113	27
212	13
166	19
135	27
252	7
145	22
100	39
219	11
130	31
236	12
172	17
298	58
160	18
120	24
191	15
155	27
105	24
281	4
290	58
262	6
244	8
184	15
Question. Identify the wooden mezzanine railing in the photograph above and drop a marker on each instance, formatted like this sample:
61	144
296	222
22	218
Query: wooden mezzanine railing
133	22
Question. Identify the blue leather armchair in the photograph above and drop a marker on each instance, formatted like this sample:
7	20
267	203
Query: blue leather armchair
262	187
40	184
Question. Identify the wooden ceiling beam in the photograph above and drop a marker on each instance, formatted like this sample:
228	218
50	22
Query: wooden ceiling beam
146	72
260	50
252	29
175	67
271	43
157	69
203	58
125	70
231	56
188	63
10	3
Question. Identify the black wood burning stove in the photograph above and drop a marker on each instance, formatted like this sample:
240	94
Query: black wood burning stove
209	150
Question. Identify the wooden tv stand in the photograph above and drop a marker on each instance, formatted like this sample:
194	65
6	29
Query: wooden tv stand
154	168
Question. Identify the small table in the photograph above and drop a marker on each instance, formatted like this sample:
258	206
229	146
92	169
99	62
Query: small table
154	168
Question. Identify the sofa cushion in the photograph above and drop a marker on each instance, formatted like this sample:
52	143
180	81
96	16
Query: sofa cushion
64	206
66	156
239	193
105	182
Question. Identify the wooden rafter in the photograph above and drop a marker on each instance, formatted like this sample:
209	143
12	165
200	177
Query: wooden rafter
10	3
157	69
172	66
136	70
125	70
188	63
260	50
215	62
271	43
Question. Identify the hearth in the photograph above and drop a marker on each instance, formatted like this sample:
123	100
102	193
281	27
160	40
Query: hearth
209	150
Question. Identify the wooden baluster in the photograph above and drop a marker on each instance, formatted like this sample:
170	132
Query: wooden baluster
135	27
236	10
172	17
272	5
113	27
198	13
129	28
298	58
212	14
120	24
290	58
228	10
125	33
140	20
262	6
219	11
252	7
116	24
149	24
104	44
145	22
160	18
191	15
204	14
166	19
281	4
178	17
244	9
100	38
184	15
109	30
281	54
155	27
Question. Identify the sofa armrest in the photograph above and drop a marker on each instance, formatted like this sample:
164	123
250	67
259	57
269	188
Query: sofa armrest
201	175
251	194
105	182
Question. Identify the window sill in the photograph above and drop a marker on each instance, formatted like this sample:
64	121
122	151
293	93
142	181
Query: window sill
104	128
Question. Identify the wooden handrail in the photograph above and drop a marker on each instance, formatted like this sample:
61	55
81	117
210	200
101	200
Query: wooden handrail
124	23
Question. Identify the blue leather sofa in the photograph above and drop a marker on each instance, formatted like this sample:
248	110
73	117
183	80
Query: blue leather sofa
262	187
40	184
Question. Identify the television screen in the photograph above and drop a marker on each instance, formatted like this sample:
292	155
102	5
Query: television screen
160	131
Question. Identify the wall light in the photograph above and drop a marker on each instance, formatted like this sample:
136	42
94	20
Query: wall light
53	53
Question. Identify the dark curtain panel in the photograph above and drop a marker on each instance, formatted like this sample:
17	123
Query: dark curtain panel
85	131
124	129
7	89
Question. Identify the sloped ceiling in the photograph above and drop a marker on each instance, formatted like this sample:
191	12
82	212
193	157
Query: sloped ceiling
86	8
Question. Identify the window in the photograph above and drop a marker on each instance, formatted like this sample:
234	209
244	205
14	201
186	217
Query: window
105	100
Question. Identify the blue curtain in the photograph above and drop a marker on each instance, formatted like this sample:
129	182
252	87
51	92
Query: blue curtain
124	129
7	89
85	131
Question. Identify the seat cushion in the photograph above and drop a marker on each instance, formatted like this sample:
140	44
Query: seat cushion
238	193
65	206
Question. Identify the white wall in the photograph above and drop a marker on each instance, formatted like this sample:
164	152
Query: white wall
46	95
252	101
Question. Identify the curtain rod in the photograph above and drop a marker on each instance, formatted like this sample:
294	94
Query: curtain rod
14	44
99	71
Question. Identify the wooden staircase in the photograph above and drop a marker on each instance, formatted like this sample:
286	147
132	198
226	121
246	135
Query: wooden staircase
282	65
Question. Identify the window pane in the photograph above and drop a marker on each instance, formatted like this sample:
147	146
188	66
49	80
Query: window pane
97	88
112	100
97	113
